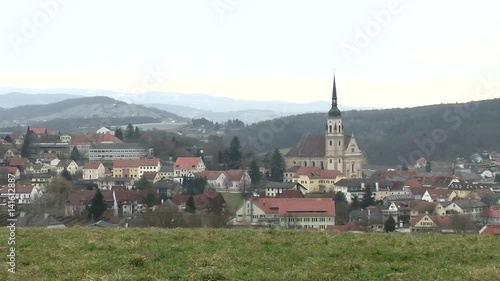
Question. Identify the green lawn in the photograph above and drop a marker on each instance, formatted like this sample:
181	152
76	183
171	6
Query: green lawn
233	201
230	254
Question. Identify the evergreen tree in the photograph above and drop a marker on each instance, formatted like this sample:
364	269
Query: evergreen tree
497	177
129	132
137	134
119	133
75	154
368	199
339	197
97	206
26	148
234	154
8	139
404	167
428	167
255	174
143	184
194	186
277	166
65	174
355	203
390	224
190	206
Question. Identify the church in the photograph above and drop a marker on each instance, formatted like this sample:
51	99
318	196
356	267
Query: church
332	151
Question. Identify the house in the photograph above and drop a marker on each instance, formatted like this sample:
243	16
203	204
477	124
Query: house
93	171
428	223
188	167
356	187
370	217
135	168
273	189
38	220
19	162
53	164
11	153
417	192
152	177
23	194
168	189
109	183
472	208
438	182
291	193
406	198
490	230
439	195
69	165
40	181
46	157
167	172
210	200
422	208
104	130
301	213
491	215
121	202
6	171
288	174
314	179
38	169
479	193
236	180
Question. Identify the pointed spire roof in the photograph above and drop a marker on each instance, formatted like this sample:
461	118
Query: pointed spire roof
334	111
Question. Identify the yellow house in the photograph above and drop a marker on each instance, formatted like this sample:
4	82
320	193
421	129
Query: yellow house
135	168
316	180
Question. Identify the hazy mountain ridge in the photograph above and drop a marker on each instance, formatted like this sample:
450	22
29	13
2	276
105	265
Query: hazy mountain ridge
15	99
88	107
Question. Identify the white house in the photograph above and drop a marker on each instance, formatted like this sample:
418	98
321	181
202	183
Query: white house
24	194
93	171
104	130
274	189
188	167
229	181
70	165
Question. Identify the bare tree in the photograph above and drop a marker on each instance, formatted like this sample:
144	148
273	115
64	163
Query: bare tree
462	224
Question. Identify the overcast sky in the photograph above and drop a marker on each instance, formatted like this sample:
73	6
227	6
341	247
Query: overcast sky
385	53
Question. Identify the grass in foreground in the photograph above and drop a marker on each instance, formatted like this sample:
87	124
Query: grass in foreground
223	254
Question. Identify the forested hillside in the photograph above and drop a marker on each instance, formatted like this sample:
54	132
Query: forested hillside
387	134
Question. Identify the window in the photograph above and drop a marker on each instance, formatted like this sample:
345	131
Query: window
331	143
340	143
352	149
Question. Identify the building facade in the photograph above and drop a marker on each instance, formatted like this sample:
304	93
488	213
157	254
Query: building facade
333	151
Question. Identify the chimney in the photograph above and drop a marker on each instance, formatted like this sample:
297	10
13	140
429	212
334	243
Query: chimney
46	215
22	214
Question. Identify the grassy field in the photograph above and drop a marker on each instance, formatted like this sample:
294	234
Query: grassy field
230	254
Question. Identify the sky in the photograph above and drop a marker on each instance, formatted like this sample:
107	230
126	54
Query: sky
385	53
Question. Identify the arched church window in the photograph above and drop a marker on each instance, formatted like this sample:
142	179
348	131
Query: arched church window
339	161
331	143
314	164
330	161
340	143
305	163
352	167
330	128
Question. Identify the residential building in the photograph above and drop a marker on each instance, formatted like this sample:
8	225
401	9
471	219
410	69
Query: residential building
332	151
491	215
314	179
38	169
134	168
23	194
167	172
188	167
210	200
472	208
439	195
428	223
70	166
6	171
114	183
490	230
121	202
93	171
274	189
236	180
40	181
84	143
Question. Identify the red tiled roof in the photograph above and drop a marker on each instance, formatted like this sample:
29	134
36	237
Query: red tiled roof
20	188
17	161
439	193
297	206
45	155
133	163
235	175
78	198
413	182
317	173
201	201
479	193
291	193
210	175
8	170
399	173
417	190
38	131
492	212
92	165
187	162
490	230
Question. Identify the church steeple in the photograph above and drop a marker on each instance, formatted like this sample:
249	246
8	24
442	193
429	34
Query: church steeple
334	111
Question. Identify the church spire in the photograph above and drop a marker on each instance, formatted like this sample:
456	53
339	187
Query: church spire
334	111
334	92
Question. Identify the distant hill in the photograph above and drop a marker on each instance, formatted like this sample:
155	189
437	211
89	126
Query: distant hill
88	107
388	135
14	99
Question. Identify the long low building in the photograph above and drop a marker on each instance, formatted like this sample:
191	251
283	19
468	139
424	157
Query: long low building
117	151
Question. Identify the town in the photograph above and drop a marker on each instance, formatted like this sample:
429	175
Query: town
125	176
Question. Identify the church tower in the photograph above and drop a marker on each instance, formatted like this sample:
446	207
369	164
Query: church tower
334	137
